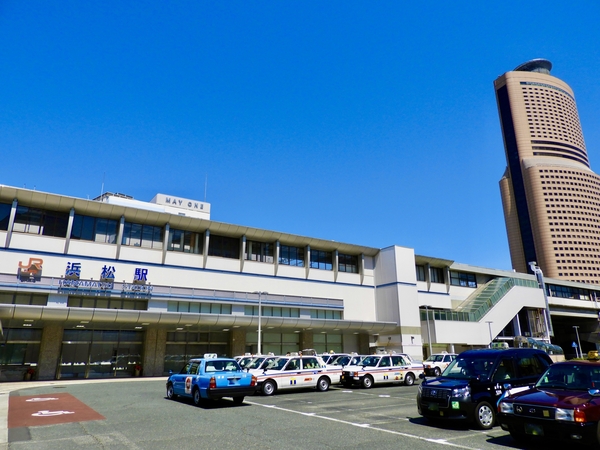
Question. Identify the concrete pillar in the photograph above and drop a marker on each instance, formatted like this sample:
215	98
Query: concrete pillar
155	345
237	342
363	344
50	352
306	340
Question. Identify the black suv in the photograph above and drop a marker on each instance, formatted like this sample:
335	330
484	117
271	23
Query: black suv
471	385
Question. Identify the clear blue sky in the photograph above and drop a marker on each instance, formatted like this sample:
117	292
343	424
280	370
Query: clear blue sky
372	123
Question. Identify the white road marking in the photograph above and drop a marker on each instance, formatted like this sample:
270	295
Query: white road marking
366	425
46	413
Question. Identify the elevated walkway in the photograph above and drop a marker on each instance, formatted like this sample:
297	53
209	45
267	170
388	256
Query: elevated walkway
485	312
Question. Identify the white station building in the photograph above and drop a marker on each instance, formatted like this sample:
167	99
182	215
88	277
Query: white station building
115	287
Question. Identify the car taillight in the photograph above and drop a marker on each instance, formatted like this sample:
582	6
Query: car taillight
253	382
579	416
212	384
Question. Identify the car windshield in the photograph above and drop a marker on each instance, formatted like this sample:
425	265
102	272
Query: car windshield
222	365
370	361
277	364
472	366
435	358
255	363
245	360
570	376
340	360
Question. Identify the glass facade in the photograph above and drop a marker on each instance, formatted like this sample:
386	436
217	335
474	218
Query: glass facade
276	343
226	247
320	259
39	221
100	353
259	251
184	241
347	263
4	215
183	345
87	228
19	353
139	235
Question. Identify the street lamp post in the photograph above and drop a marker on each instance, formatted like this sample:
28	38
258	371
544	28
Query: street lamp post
489	322
428	330
540	279
578	341
260	294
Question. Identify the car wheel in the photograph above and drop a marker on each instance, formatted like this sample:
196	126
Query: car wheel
367	382
238	400
197	397
437	372
323	384
409	379
268	387
484	416
170	392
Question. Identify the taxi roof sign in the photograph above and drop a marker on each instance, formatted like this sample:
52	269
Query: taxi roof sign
210	356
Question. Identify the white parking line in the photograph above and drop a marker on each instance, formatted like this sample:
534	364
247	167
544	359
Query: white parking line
366	425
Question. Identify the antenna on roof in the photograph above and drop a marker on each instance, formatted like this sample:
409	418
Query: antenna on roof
102	188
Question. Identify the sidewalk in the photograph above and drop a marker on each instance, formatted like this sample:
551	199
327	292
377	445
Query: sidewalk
7	388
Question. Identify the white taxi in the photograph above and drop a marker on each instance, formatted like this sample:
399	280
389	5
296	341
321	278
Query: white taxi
436	363
293	372
376	369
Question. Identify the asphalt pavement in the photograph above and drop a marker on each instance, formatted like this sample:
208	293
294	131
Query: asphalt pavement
136	415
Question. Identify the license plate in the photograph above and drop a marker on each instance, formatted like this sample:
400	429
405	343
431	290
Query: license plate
433	407
534	430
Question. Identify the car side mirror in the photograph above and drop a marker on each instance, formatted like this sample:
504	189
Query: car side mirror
170	372
507	386
594	392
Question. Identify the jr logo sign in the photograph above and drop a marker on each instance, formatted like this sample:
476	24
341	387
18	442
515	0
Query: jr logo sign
31	271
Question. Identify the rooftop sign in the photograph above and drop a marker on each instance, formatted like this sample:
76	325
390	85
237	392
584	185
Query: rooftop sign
179	202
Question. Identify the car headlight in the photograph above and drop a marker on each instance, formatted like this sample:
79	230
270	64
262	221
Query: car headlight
420	388
506	408
564	414
461	392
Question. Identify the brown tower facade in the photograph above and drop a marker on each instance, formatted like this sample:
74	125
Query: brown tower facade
550	195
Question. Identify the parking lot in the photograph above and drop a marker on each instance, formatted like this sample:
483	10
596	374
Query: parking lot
138	416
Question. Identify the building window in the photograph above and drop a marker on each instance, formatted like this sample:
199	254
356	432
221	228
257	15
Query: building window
437	275
184	241
463	279
138	235
23	299
107	303
325	314
259	251
272	311
4	216
199	307
320	259
420	273
568	292
38	221
87	228
291	256
225	247
348	263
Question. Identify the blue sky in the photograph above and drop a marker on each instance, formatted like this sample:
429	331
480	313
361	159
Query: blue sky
373	123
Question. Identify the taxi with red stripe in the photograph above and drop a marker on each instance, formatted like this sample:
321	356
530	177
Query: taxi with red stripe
293	372
380	369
